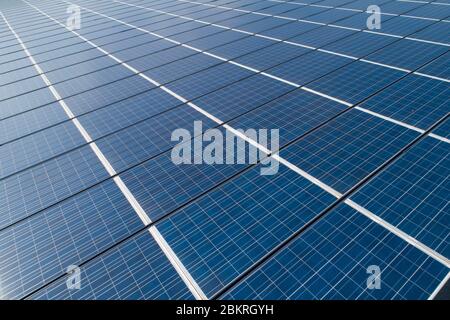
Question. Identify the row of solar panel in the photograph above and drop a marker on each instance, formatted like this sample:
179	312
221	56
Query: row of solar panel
364	16
291	24
220	272
268	48
13	147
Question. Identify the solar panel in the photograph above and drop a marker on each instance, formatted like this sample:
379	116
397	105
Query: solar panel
99	101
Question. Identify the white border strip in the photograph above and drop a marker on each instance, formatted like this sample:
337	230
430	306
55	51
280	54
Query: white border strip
184	274
291	166
412	241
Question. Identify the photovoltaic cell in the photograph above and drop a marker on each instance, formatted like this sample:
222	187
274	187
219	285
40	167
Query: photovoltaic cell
37	188
415	100
356	81
28	151
360	44
135	269
407	54
413	194
330	261
226	231
439	67
45	245
347	149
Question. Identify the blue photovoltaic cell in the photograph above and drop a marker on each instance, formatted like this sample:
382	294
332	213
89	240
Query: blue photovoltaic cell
330	261
292	114
349	148
271	56
29	122
242	96
160	186
17	75
439	67
435	12
239	21
220	235
181	68
113	92
197	33
330	16
217	18
25	102
403	26
438	32
37	188
321	36
308	67
160	58
335	3
363	4
208	80
251	6
40	248
398	7
67	59
289	30
135	269
260	26
443	130
278	9
21	61
301	12
354	127
96	79
360	44
356	81
28	151
83	51
149	138
127	112
357	21
78	70
415	100
407	54
178	28
216	40
413	194
241	47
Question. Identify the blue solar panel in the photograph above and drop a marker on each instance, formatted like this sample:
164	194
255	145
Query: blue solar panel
88	179
407	54
330	260
439	67
416	100
356	81
79	228
348	148
412	194
135	269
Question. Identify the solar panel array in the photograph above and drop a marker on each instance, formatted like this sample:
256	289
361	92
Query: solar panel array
87	179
